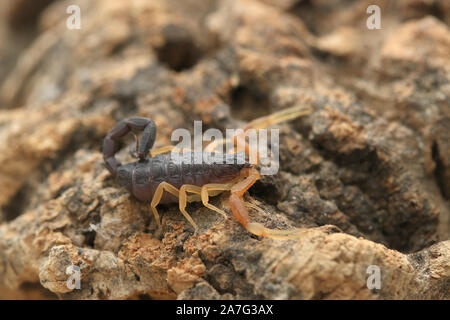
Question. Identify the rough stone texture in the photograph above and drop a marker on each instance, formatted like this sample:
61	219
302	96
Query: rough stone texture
367	175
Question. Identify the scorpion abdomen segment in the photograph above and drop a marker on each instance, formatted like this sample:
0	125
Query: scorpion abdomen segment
149	173
210	168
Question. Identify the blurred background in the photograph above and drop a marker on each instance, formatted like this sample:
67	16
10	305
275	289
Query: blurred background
373	160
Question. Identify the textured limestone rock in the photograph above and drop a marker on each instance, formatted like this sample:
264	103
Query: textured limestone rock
366	175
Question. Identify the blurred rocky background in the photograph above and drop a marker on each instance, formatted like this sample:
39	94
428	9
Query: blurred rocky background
367	175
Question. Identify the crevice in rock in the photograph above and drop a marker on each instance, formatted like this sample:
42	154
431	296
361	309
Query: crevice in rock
301	10
248	103
221	270
366	164
25	14
89	238
180	50
259	190
418	10
439	171
18	203
36	289
144	296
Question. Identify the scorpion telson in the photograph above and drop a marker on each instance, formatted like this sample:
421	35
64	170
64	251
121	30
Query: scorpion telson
156	178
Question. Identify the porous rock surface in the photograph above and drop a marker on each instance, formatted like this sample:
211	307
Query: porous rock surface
366	175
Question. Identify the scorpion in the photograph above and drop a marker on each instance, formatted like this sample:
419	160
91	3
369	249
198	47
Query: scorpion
156	178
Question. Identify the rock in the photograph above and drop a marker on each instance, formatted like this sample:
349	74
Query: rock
365	176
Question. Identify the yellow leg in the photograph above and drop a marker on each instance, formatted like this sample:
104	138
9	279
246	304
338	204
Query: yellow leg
167	149
213	145
183	201
183	198
163	186
214	189
260	123
240	212
193	198
277	117
254	206
205	191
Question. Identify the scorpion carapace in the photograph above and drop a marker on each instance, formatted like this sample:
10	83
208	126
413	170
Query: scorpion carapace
158	178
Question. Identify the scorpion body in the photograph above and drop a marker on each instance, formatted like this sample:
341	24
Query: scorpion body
162	179
142	178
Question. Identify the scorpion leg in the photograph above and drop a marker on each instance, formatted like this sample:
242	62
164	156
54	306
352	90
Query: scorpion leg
240	212
183	201
279	116
269	120
161	150
254	206
167	149
261	123
193	198
163	186
204	191
214	189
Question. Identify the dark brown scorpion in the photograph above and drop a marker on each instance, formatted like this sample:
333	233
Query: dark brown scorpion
157	178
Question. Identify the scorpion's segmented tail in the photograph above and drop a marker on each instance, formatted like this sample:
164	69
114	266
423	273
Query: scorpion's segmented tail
111	142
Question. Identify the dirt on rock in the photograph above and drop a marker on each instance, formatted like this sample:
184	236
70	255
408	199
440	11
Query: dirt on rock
366	175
